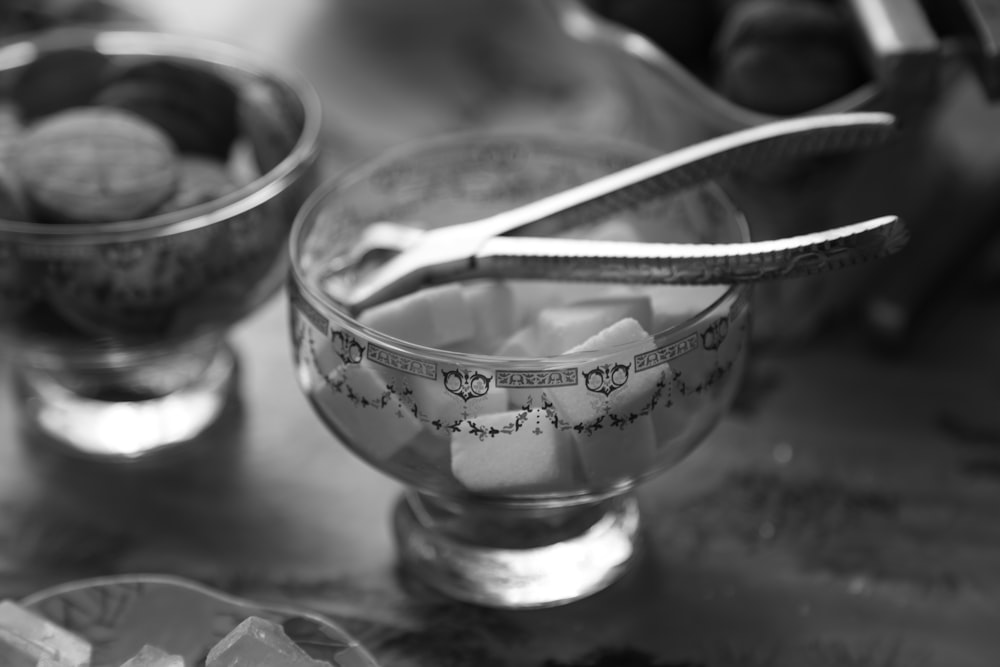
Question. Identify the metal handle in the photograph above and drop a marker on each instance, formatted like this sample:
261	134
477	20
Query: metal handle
689	264
773	143
440	251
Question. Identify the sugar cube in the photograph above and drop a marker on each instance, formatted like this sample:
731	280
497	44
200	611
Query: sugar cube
530	456
614	452
523	398
524	344
150	656
456	395
615	229
492	307
612	437
559	328
562	328
28	639
583	403
556	329
257	642
530	296
435	317
354	403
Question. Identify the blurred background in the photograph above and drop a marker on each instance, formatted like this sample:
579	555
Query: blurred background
667	74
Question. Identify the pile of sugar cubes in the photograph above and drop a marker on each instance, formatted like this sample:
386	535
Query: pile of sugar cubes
528	320
29	640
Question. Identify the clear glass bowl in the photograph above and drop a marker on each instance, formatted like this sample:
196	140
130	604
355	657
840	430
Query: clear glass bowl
519	471
119	328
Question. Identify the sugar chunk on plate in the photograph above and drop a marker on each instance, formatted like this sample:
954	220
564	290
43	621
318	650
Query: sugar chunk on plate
534	456
29	639
257	642
435	317
151	656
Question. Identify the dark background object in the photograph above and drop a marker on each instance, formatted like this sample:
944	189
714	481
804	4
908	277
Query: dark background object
195	107
59	80
683	28
774	56
786	56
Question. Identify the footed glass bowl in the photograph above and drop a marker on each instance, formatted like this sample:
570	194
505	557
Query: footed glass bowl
519	470
120	327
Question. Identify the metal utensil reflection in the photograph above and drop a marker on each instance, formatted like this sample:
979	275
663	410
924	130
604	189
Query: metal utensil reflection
560	259
483	248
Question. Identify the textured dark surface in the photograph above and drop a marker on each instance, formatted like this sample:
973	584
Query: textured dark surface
844	515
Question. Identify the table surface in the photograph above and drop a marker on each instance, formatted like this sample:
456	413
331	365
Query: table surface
846	514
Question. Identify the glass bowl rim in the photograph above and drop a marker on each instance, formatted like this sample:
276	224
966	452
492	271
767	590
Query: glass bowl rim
21	49
300	288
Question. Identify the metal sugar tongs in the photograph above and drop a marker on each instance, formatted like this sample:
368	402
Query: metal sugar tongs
488	248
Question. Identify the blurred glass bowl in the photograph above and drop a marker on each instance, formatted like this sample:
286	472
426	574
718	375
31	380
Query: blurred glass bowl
519	471
120	327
